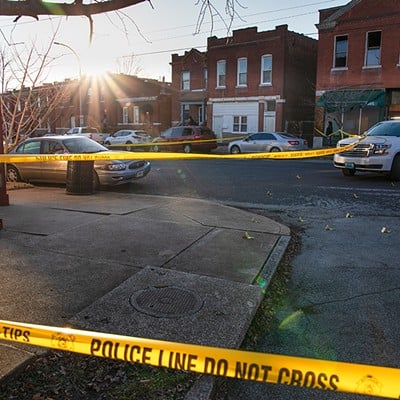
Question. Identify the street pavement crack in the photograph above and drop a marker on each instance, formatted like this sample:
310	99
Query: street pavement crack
378	292
187	247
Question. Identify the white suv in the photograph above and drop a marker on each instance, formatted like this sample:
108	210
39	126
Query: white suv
379	151
128	137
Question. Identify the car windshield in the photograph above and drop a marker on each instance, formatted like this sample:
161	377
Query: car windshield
385	129
83	145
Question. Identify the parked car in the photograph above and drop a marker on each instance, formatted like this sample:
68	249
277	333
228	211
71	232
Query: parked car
113	172
126	136
89	132
267	142
379	151
186	139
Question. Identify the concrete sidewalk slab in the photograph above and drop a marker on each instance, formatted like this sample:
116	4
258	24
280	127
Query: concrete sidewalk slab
82	258
209	319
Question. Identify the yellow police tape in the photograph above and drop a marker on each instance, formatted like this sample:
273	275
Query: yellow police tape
283	155
271	368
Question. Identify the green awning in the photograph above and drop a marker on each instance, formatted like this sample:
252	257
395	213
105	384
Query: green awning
347	100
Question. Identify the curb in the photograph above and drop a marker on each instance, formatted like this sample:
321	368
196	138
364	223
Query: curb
205	386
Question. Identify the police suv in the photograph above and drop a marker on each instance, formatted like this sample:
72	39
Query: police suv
378	151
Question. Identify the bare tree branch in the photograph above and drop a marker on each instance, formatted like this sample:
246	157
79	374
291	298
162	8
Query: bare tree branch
34	8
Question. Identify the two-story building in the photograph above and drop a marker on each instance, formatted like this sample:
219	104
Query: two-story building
252	81
358	76
109	102
189	87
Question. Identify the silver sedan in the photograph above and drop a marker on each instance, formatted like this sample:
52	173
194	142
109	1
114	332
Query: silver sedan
113	172
267	142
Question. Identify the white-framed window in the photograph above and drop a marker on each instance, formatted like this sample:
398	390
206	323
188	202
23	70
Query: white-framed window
185	80
239	123
341	48
125	115
373	49
205	76
241	72
136	115
266	69
221	73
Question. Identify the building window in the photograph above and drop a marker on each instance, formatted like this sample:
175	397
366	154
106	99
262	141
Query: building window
205	75
221	73
136	115
373	51
125	115
242	72
185	80
341	45
266	70
239	123
185	113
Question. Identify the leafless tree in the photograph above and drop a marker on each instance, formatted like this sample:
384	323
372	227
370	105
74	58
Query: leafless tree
36	8
26	104
129	65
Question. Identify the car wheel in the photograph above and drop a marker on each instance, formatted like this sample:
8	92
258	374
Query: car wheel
107	143
187	148
129	148
13	174
235	150
155	148
96	181
348	172
395	171
275	149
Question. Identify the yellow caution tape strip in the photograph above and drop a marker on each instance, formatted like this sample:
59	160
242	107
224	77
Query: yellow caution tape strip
153	144
271	368
22	158
340	132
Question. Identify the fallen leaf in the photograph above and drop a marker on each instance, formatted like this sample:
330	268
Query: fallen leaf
385	230
301	219
355	196
328	228
348	215
247	236
298	176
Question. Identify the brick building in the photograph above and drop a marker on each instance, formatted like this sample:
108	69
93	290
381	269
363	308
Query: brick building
252	81
109	103
358	76
189	87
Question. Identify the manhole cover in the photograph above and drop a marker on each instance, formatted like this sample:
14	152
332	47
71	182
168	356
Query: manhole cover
166	301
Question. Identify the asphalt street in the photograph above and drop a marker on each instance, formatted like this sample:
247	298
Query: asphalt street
342	300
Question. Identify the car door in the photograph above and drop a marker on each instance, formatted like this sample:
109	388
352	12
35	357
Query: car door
119	137
30	171
176	137
53	171
267	141
251	143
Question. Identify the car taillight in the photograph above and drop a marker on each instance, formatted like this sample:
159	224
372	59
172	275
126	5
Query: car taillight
293	142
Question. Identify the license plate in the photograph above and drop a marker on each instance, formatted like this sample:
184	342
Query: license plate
349	165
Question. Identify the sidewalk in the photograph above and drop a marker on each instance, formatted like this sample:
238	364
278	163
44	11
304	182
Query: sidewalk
107	262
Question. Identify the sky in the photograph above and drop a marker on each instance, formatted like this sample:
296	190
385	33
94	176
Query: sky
151	32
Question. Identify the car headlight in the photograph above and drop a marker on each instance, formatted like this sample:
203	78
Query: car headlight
380	149
114	167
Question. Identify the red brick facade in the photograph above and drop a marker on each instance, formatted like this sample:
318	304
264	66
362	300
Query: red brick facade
358	78
110	103
189	87
255	81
